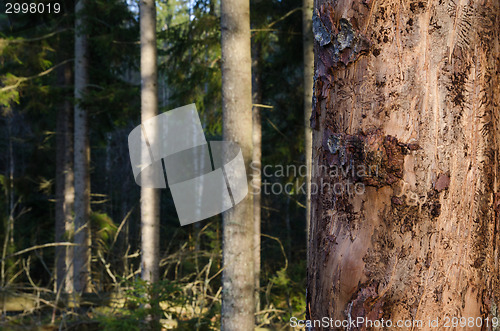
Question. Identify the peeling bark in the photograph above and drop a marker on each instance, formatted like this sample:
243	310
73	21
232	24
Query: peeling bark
415	94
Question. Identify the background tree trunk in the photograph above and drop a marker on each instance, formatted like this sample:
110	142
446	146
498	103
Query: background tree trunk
411	91
307	40
82	156
8	244
238	242
65	192
257	163
150	198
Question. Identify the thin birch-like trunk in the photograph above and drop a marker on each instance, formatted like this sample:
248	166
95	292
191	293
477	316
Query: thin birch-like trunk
150	197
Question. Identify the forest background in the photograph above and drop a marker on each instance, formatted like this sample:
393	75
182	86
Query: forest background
36	98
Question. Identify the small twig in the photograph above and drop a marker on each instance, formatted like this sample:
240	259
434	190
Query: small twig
270	311
281	246
106	266
122	224
26	265
43	264
276	128
270	25
258	105
138	271
11	280
38	247
296	201
59	290
218	272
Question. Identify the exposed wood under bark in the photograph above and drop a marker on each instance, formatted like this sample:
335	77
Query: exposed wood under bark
412	87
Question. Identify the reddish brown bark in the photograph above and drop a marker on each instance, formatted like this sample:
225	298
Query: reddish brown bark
411	89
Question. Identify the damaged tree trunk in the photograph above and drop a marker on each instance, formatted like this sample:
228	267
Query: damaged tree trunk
405	194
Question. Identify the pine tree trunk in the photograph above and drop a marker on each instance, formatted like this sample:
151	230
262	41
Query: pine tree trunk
65	192
257	163
82	254
8	244
407	99
238	242
307	41
150	198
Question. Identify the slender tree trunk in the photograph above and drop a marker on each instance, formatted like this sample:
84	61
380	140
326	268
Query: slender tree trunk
238	242
288	227
65	192
150	198
11	182
307	41
8	244
108	178
408	96
257	164
82	156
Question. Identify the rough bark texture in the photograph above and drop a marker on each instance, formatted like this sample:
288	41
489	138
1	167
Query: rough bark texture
82	157
410	90
150	198
238	241
257	163
65	192
307	41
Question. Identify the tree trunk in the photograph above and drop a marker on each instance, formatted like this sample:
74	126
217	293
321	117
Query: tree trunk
150	197
307	42
82	156
238	242
8	244
65	192
257	163
12	164
288	227
405	146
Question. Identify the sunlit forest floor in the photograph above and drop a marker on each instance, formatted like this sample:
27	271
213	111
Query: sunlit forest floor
187	298
127	309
